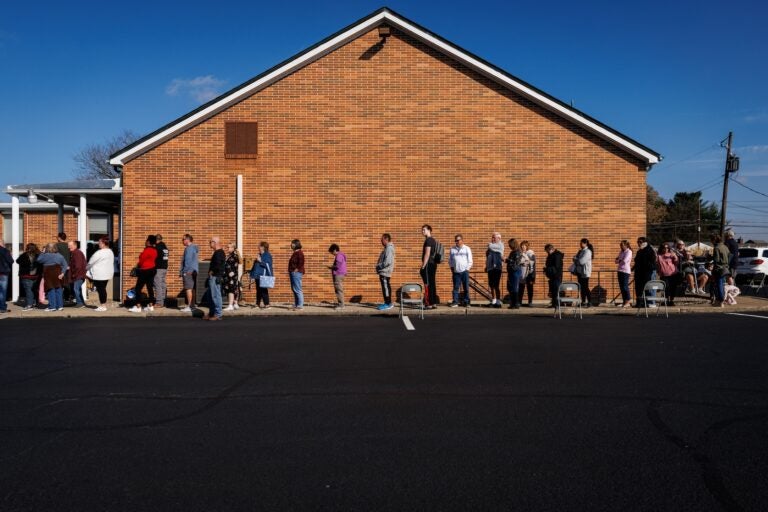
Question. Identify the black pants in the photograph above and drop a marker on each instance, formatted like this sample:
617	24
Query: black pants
262	294
386	290
586	294
494	280
145	277
527	284
554	286
428	276
101	288
671	283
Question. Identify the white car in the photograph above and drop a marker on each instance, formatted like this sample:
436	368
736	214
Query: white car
753	259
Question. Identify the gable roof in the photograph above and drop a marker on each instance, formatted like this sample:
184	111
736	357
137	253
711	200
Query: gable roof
351	32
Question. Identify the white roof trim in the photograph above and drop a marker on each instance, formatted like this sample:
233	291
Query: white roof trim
428	38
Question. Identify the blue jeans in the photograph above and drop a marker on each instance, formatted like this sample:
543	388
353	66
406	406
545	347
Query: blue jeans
624	286
513	285
298	294
3	291
215	289
56	298
461	279
77	287
719	286
29	292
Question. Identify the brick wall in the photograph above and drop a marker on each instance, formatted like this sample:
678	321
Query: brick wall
366	141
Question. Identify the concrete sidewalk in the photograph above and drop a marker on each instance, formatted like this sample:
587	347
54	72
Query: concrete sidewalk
683	305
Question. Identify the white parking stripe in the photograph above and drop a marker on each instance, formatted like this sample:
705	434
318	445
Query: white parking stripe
752	316
408	324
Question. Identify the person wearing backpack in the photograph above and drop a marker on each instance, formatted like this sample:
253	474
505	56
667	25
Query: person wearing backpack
514	272
428	270
553	269
494	259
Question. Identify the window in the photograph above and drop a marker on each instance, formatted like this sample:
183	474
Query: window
241	140
747	253
7	230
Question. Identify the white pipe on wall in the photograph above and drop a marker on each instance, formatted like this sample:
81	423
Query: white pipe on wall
240	219
15	239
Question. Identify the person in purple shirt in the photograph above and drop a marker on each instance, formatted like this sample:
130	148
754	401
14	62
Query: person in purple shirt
338	271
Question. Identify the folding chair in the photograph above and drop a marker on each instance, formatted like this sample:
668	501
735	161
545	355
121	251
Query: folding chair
412	294
756	283
565	297
660	296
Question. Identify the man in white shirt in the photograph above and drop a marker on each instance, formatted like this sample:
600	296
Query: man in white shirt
461	263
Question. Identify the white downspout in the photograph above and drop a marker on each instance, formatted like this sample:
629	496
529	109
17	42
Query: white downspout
15	238
240	222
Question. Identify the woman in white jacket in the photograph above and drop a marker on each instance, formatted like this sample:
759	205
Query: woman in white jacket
583	267
101	268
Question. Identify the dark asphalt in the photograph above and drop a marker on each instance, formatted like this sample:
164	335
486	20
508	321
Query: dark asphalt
309	413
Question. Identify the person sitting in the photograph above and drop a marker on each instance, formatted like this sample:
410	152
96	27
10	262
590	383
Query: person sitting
703	273
688	270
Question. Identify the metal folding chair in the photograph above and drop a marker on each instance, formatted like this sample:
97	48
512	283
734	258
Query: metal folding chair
565	296
756	283
412	294
660	290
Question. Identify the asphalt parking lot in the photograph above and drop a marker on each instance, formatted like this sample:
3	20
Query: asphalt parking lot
358	413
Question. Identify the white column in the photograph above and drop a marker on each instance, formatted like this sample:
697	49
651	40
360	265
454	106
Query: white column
82	232
15	238
240	220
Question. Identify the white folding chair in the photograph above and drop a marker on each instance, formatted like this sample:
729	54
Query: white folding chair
660	291
412	294
568	294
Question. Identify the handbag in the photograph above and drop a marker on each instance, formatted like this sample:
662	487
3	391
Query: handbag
572	269
266	281
135	271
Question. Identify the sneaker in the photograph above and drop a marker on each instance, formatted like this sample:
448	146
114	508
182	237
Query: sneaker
229	308
135	309
186	310
49	310
384	307
60	309
101	308
651	306
149	308
236	306
28	308
81	305
453	304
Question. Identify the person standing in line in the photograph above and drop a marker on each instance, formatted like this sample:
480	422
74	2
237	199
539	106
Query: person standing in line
384	267
667	263
215	279
6	267
189	270
514	273
262	266
296	274
231	285
62	247
428	270
77	266
161	272
28	273
529	272
460	261
623	272
145	276
645	266
102	268
338	271
553	269
721	257
494	260
54	269
733	250
583	264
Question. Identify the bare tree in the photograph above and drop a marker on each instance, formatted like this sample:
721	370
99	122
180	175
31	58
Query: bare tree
92	161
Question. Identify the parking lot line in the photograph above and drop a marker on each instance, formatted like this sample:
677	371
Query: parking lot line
752	316
408	324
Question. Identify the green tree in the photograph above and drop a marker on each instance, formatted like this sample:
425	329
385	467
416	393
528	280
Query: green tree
685	212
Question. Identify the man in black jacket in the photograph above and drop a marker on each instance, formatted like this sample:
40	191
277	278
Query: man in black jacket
645	265
161	270
553	269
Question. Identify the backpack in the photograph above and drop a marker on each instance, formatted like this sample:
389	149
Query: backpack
439	252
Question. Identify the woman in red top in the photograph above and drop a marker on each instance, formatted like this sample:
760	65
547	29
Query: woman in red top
296	273
145	275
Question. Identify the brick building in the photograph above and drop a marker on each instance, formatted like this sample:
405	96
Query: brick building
380	128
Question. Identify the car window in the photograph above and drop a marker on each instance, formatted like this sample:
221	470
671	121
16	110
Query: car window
748	253
765	253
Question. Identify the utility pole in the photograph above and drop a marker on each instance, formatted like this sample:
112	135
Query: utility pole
731	165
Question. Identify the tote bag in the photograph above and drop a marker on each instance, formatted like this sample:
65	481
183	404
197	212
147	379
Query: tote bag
266	281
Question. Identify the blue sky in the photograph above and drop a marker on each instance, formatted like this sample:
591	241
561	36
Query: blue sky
675	76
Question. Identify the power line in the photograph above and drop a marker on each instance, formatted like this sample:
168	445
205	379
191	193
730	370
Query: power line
750	188
708	148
